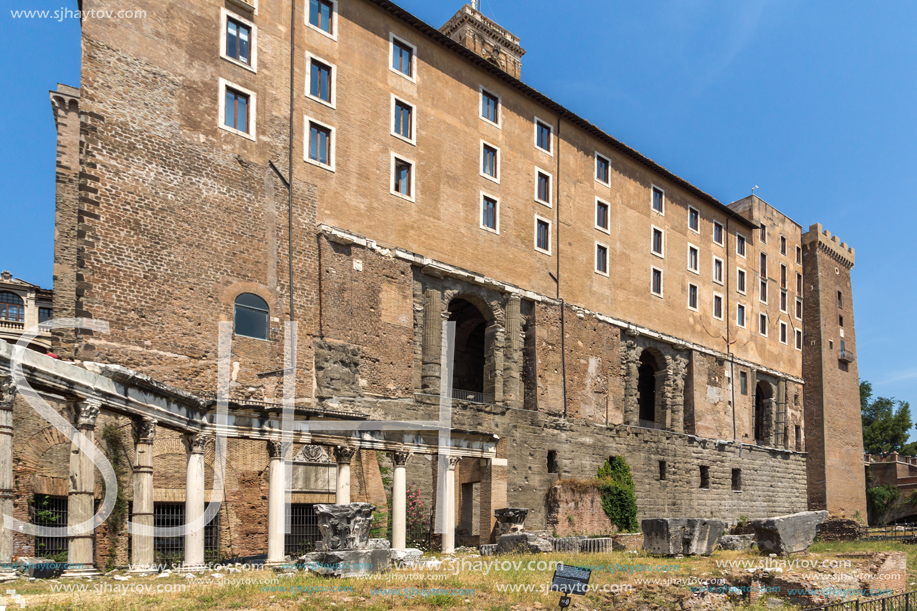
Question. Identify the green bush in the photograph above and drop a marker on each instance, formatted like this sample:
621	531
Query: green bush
616	487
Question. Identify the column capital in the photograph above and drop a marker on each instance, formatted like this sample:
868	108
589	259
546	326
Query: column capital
275	448
87	412
453	461
195	442
8	392
400	457
344	454
144	430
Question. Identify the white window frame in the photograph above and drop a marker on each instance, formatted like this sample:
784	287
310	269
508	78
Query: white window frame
252	110
695	270
391	57
252	44
499	123
245	5
744	242
307	121
740	307
653	188
690	210
797	339
722	306
334	24
763	316
696	295
784	300
595	168
595	262
413	196
550	137
661	292
766	294
722	242
798	302
550	176
799	284
333	80
653	230
722	280
740	273
550	235
481	212
499	163
413	139
599	200
783	334
784	245
799	255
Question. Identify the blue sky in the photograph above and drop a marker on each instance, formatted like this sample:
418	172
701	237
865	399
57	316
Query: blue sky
812	101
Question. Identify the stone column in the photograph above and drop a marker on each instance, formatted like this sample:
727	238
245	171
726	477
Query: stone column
399	499
276	505
194	501
630	373
7	397
781	430
449	527
512	353
81	494
493	361
142	556
432	342
678	367
343	455
492	494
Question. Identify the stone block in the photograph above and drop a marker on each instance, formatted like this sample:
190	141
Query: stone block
344	527
681	536
525	543
380	544
737	542
629	542
349	563
489	549
405	557
567	545
790	534
599	545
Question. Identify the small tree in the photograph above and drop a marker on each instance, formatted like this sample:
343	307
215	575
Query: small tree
616	485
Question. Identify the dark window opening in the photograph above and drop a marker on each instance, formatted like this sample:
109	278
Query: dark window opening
601	169
45	314
743	382
762	394
737	480
662	471
171	550
543	235
50	511
252	314
489	161
705	477
798	438
489	213
552	462
840	320
304	533
646	387
319	144
468	364
403	177
840	299
601	215
544	188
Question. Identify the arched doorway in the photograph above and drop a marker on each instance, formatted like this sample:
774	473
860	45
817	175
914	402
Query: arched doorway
646	387
762	394
470	326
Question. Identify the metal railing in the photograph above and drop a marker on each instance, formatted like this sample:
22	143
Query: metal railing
891	532
171	550
846	355
898	602
50	511
471	396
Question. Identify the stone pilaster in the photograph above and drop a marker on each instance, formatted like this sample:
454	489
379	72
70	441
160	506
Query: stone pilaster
630	371
343	455
512	353
432	342
449	526
81	495
493	361
276	505
675	393
194	502
781	428
142	555
7	397
399	499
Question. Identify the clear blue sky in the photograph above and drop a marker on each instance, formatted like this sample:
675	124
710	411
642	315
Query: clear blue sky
813	101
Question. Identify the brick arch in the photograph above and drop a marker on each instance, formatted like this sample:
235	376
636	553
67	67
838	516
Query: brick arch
484	307
231	292
37	445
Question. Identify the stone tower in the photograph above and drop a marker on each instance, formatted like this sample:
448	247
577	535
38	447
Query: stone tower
834	435
471	29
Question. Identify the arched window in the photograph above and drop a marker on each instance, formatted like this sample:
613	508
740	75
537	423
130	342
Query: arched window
11	307
252	314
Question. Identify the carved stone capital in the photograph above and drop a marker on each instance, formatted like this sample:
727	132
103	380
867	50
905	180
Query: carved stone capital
400	457
87	412
144	430
196	442
8	392
344	454
453	462
275	448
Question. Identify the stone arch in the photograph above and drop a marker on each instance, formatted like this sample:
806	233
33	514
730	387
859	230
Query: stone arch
650	377
644	360
765	412
470	343
231	292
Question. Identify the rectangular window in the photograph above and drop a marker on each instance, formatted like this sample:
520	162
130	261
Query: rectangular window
783	245
782	276
601	259
798	283
490	107
542	235
717	270
693	219
798	341
762	292
764	234
543	135
782	332
740	244
718	233
763	266
321	13
783	301
321	151
743	382
840	321
740	281
692	297
402	178
658	242
320	80
403	120
658	200
235	115
762	324
840	299
543	188
737	480
799	255
740	315
601	216
602	169
489	213
662	471
238	41
44	315
705	477
799	309
489	162
402	58
657	282
718	307
693	259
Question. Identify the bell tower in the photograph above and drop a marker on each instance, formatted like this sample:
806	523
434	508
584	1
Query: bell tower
471	29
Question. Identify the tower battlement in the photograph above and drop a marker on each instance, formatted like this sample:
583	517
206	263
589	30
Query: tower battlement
830	244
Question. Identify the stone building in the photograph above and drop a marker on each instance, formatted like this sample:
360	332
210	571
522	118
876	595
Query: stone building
344	165
23	307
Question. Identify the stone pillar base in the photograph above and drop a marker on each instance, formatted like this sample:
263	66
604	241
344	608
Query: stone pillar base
191	568
81	572
282	566
7	576
143	571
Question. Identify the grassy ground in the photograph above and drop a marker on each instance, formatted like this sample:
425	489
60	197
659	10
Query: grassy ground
468	582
